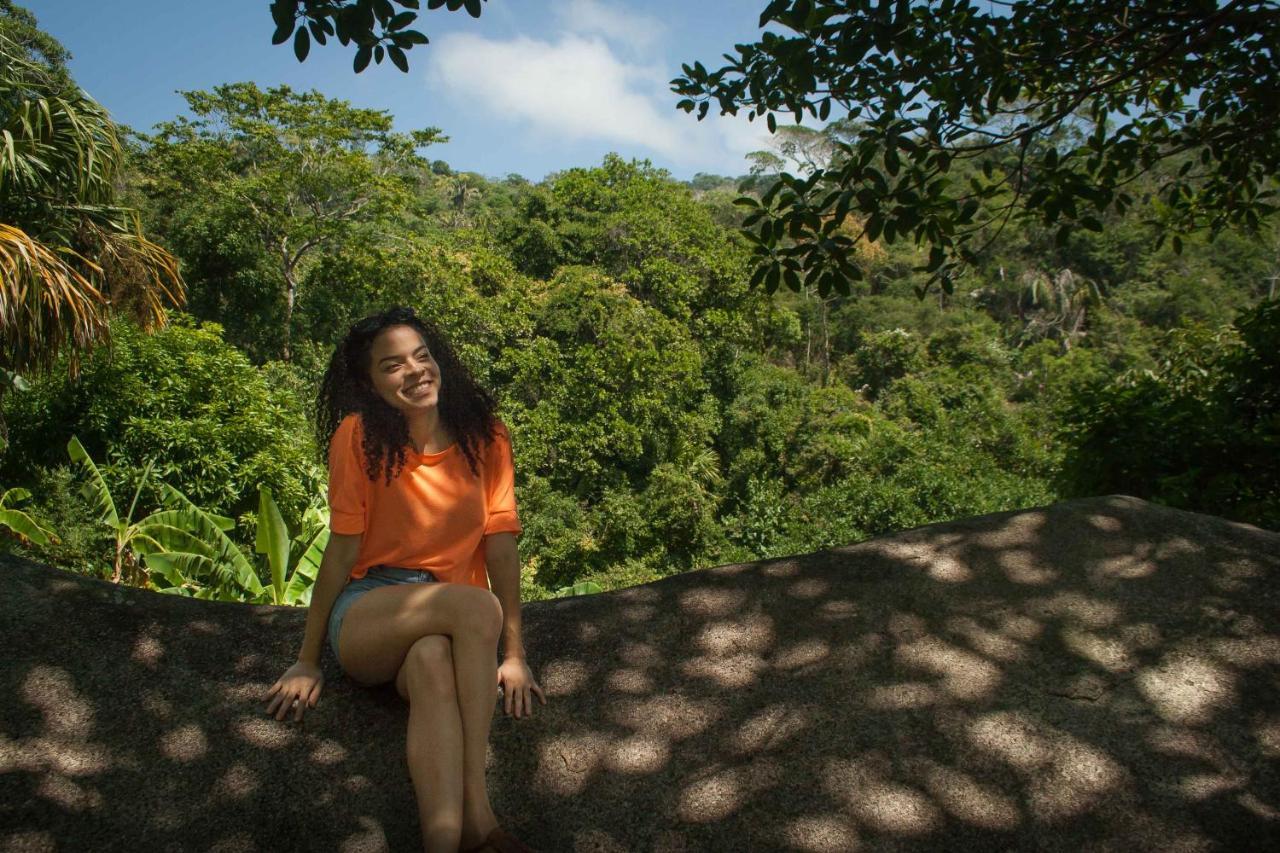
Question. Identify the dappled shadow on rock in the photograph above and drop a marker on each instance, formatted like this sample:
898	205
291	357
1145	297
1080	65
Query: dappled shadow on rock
134	720
1100	674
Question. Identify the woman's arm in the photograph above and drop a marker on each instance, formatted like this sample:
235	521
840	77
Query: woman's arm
299	687
502	559
339	556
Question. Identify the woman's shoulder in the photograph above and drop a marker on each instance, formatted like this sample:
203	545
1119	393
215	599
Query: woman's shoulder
350	427
499	438
497	445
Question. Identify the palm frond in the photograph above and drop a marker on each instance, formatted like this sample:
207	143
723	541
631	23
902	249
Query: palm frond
142	276
68	253
45	302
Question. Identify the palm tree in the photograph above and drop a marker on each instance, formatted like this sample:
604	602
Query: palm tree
68	253
461	192
1062	300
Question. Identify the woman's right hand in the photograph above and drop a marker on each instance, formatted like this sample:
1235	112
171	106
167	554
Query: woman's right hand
298	689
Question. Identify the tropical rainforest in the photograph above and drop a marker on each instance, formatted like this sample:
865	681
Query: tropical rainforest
171	296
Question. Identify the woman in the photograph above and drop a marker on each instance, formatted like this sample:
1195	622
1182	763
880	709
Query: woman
422	510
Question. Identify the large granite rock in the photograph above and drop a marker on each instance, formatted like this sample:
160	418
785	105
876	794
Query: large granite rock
1101	674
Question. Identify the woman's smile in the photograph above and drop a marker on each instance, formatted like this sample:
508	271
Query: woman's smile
420	390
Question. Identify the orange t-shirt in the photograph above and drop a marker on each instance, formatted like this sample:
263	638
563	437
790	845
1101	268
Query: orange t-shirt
433	516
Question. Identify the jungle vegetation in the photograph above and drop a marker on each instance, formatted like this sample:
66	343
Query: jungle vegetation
669	409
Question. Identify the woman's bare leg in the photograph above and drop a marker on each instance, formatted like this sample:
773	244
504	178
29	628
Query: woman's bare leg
377	634
433	742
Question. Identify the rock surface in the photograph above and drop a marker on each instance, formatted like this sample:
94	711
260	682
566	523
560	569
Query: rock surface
1101	674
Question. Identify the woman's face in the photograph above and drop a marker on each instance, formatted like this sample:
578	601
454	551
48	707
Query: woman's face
402	370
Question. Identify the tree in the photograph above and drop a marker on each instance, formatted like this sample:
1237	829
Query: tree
68	252
1062	103
299	167
21	29
1198	431
216	426
375	26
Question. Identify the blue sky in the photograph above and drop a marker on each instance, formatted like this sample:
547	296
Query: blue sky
530	87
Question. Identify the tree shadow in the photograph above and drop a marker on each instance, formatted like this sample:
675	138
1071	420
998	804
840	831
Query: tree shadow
1098	674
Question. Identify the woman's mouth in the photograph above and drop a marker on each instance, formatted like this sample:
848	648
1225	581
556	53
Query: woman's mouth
419	389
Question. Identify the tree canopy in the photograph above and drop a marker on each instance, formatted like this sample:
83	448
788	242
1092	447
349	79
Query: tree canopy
969	113
296	168
952	118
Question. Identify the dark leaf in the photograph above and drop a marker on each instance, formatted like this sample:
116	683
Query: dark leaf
771	278
401	21
363	55
301	44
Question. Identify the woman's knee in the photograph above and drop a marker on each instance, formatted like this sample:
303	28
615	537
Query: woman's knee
429	665
480	612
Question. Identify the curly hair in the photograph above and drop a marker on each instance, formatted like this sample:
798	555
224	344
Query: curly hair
466	409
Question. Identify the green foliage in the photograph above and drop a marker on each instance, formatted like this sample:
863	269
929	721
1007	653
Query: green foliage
188	548
19	27
131	537
273	540
258	182
645	231
882	358
955	117
182	398
580	588
1199	431
193	552
58	501
605	389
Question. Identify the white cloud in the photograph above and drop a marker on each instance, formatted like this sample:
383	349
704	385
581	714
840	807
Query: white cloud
611	21
576	88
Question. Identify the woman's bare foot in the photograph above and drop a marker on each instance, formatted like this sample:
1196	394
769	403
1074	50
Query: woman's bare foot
499	841
477	828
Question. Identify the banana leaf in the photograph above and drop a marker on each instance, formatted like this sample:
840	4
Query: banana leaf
579	588
229	566
167	568
95	490
272	539
26	526
17	494
305	572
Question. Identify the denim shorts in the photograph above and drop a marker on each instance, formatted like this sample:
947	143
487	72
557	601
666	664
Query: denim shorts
376	576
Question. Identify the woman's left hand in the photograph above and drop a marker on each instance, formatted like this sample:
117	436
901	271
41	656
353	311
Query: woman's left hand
516	681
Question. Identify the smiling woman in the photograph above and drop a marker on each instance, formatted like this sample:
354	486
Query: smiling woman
423	520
